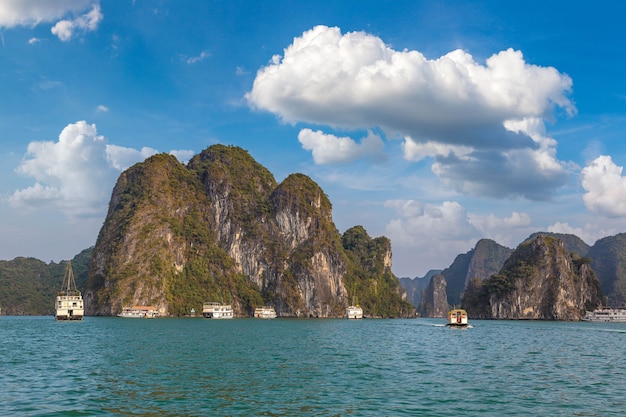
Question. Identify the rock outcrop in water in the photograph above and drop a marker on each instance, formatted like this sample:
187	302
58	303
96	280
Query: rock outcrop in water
540	281
222	229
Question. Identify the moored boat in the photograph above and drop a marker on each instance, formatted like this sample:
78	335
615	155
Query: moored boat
217	311
139	312
264	313
606	315
457	317
354	312
69	302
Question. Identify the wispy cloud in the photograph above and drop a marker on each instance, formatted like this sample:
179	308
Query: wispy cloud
198	58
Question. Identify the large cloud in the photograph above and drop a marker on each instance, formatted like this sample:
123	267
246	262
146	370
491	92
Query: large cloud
605	186
75	174
490	112
34	12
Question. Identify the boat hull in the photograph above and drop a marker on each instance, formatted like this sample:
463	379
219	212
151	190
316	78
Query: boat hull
139	312
69	307
264	313
606	315
354	313
69	317
217	311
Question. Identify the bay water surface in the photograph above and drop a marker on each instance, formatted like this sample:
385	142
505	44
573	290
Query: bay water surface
309	367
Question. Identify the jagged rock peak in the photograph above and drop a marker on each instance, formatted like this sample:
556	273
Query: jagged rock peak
434	299
222	229
541	280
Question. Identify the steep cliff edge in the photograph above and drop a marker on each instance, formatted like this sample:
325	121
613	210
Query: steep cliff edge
435	300
609	263
484	260
219	229
540	281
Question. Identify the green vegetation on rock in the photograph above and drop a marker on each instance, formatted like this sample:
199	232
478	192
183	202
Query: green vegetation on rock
369	279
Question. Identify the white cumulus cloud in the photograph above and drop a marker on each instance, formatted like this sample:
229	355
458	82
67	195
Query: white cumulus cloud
330	149
605	187
431	234
475	119
418	221
75	174
31	13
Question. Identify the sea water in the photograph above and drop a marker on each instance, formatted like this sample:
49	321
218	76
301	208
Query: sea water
309	367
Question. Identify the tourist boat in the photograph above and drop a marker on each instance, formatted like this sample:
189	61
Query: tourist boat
354	312
264	313
69	303
457	317
606	315
217	311
139	312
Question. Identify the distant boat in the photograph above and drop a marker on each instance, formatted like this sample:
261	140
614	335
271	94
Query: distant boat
606	315
354	312
457	317
139	312
69	303
265	313
217	311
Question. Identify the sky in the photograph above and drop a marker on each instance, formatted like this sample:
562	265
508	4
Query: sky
433	123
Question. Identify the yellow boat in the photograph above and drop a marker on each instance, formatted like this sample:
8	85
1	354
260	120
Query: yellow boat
457	317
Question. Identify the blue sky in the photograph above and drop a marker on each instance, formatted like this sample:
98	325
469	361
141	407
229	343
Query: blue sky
434	123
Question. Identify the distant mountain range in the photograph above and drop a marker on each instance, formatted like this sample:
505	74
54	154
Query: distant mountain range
607	259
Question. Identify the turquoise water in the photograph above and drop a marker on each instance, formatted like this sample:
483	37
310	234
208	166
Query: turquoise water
314	367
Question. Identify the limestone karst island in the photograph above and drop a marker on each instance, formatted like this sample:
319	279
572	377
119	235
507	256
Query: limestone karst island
221	229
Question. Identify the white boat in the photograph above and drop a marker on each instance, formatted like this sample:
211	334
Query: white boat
606	315
139	312
217	311
265	313
354	312
69	303
457	317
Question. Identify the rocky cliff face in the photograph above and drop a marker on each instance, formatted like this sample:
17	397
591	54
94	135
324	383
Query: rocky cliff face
219	229
541	280
484	260
414	287
487	259
434	299
609	263
369	279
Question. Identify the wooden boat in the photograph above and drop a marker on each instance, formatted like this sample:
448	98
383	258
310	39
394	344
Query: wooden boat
457	317
264	313
69	302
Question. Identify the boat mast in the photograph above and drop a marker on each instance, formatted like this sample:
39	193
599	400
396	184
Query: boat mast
68	279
